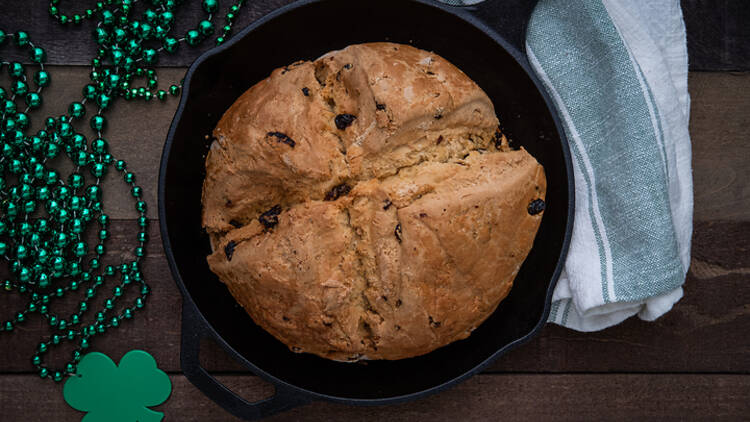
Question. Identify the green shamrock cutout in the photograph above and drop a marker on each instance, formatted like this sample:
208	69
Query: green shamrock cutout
112	393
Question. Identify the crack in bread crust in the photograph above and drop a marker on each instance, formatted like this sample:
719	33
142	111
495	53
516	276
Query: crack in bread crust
418	140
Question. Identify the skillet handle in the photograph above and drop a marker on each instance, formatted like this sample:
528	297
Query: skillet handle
509	18
194	328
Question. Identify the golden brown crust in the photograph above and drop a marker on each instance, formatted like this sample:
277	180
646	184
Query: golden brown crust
400	224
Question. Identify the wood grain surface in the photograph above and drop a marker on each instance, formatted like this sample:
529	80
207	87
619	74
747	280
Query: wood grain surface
566	397
717	32
693	363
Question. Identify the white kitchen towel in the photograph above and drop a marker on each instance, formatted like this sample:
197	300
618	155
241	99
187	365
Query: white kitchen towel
617	72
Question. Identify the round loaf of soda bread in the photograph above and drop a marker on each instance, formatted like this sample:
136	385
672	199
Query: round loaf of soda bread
366	206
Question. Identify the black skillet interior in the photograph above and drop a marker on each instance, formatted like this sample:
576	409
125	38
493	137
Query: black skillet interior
307	32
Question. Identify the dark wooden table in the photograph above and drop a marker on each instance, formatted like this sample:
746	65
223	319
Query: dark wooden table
693	363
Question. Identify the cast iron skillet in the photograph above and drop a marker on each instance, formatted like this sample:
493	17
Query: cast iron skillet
305	30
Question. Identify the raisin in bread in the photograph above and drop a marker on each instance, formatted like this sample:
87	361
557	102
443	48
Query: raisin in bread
365	205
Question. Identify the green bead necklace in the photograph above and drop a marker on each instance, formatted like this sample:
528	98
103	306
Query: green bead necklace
45	215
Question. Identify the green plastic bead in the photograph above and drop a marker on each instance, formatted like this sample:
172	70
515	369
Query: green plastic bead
108	18
3	37
101	36
89	91
103	101
119	35
33	100
100	249
127	313
43	373
84	343
166	18
43	346
81	158
76	180
193	37
98	170
22	119
219	40
210	6
24	275
20	88
9	107
206	28
142	237
150	15
38	55
80	249
29	207
139	251
93	193
98	123
36	360
76	110
174	90
146	31
117	56
113	80
149	56
22	38
66	130
16	70
86	214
